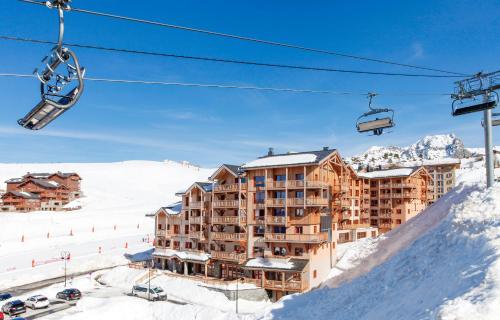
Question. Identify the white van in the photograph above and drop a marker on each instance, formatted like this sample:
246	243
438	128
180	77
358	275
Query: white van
155	293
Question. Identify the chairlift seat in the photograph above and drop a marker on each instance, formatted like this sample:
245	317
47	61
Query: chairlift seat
44	112
457	111
373	125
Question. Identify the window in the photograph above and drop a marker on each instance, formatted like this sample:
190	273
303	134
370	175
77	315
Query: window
299	252
299	194
280	251
315	274
159	226
279	229
280	178
280	194
299	176
188	245
299	212
186	229
260	181
260	197
280	212
299	229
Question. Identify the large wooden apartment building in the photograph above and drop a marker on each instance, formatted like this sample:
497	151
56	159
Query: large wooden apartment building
275	221
40	191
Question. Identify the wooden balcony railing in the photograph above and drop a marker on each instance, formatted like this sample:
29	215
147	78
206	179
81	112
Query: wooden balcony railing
227	236
229	220
161	233
231	256
229	203
233	187
295	184
276	202
276	219
272	184
316	184
195	204
195	220
197	235
291	285
308	218
316	201
286	237
295	201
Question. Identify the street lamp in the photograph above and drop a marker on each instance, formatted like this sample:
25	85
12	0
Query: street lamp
149	264
65	256
237	292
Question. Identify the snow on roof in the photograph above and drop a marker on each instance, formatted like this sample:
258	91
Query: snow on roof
287	159
183	255
432	162
14	180
174	208
24	194
402	172
270	263
75	204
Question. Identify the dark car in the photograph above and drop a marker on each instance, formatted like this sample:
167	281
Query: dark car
13	308
69	294
5	296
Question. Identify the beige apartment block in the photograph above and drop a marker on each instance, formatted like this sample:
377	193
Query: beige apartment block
276	220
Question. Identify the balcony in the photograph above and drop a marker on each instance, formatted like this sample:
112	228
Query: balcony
161	233
195	220
295	201
272	184
306	219
228	220
286	237
227	236
295	184
195	204
313	184
316	202
197	235
229	203
276	202
291	285
403	185
230	256
233	187
276	219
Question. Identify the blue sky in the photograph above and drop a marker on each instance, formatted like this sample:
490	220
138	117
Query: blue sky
115	122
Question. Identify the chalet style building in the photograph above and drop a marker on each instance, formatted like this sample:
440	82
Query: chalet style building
276	221
40	192
395	195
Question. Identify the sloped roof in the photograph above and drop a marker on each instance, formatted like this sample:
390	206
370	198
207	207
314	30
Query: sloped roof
290	264
206	186
391	173
233	169
182	255
23	194
47	184
174	208
293	158
14	180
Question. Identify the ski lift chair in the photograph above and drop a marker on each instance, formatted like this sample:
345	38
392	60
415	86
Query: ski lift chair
377	125
56	96
459	107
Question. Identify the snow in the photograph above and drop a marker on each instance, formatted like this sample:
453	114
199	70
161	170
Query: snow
174	208
440	148
183	255
402	172
288	159
117	197
270	263
442	264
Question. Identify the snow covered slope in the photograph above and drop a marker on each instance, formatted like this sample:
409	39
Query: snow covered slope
443	264
117	197
434	147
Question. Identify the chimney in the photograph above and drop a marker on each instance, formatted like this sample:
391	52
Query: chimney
270	152
326	148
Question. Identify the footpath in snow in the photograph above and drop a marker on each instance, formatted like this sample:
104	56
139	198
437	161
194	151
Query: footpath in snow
443	264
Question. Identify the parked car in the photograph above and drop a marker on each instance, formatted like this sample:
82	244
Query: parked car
5	296
69	294
2	317
155	293
18	318
37	302
14	307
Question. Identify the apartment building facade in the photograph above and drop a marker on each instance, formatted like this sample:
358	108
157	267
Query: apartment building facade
395	195
443	173
40	191
274	221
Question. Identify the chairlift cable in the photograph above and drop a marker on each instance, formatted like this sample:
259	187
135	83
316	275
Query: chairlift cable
226	86
223	60
250	39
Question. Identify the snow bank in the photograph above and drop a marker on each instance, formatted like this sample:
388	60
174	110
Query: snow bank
444	263
288	159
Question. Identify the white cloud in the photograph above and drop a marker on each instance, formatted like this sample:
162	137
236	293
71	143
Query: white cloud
417	51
